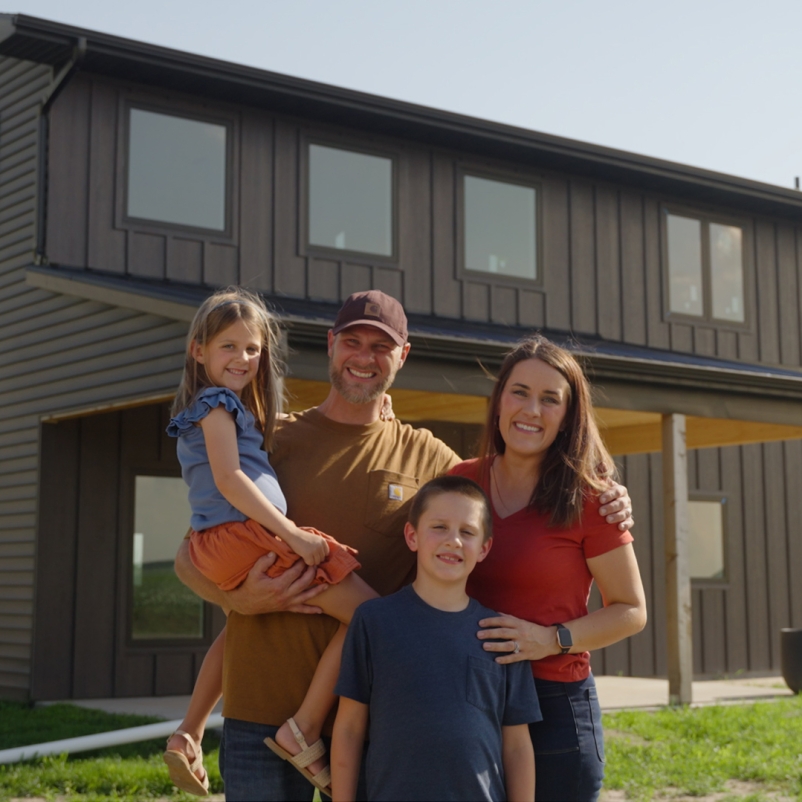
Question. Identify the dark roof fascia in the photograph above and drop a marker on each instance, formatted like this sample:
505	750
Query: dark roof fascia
440	339
41	40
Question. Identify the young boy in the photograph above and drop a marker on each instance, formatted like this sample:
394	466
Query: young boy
445	720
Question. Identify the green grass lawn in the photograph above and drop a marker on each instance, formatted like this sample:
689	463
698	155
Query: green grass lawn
126	772
649	755
695	751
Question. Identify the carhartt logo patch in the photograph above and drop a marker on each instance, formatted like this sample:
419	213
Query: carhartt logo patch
395	493
373	309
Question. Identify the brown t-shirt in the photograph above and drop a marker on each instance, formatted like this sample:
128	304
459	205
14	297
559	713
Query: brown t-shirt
356	484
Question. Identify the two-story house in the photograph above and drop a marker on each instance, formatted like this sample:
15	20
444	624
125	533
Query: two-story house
134	179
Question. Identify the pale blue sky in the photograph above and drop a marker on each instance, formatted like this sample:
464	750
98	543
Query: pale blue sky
704	82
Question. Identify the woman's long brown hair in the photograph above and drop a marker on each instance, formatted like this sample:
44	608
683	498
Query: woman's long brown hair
577	462
264	395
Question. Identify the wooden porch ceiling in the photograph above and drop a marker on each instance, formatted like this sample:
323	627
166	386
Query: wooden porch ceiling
624	431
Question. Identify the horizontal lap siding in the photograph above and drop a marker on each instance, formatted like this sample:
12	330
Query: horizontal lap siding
21	85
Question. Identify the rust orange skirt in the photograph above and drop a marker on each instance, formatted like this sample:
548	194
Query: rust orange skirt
226	553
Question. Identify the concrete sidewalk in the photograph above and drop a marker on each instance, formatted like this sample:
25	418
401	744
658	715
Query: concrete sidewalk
621	693
615	693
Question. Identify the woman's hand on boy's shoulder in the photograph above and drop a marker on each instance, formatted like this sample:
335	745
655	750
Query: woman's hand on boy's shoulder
515	639
290	592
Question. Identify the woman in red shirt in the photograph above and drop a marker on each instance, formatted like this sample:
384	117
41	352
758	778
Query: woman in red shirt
543	466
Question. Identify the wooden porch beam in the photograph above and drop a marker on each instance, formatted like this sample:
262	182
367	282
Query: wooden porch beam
645	438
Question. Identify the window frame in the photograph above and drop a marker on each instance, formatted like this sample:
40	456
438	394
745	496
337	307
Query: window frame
701	583
502	176
354	145
705	218
190	111
132	644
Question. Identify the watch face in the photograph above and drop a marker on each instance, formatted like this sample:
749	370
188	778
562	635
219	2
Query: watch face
564	637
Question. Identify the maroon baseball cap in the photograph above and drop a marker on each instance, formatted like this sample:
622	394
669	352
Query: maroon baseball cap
373	308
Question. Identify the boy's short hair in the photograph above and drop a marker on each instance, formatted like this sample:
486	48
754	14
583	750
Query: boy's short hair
460	485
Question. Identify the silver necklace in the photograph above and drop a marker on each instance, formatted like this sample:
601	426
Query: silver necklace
496	485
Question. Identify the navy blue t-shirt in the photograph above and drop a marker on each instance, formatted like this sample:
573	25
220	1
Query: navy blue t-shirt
437	699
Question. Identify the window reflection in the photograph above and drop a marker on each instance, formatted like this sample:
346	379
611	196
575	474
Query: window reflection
162	606
685	265
706	547
726	272
350	200
176	170
500	228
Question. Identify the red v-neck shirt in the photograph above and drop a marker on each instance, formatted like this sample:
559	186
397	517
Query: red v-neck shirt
540	574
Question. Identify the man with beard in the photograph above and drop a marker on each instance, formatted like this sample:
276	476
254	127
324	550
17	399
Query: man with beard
347	472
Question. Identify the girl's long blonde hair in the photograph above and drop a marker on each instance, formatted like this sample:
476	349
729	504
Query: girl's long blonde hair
577	462
263	396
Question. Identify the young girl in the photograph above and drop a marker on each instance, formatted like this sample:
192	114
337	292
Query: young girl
224	411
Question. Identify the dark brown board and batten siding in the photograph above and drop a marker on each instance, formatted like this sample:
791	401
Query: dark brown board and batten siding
602	249
84	561
737	622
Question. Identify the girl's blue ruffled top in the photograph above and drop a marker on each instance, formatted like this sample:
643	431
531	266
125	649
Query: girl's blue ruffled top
209	506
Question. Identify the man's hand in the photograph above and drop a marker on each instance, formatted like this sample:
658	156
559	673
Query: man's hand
259	593
386	413
617	507
290	592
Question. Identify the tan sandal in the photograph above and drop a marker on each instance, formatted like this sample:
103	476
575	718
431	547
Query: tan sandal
307	755
182	772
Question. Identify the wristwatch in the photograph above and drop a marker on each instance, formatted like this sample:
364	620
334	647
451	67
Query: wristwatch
564	639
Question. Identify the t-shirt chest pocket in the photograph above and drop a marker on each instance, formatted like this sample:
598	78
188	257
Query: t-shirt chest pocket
389	497
485	684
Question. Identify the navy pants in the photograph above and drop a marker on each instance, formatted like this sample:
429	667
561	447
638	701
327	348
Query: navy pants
569	744
252	773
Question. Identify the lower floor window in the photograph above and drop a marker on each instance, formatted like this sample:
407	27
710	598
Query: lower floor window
706	548
162	607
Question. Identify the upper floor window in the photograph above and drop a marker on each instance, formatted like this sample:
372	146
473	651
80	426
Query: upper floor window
176	170
705	268
499	227
350	201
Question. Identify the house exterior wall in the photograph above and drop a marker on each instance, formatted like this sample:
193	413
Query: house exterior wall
602	260
83	567
56	352
737	621
67	354
602	275
21	85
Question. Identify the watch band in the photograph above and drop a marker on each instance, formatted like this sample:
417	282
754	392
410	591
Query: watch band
564	638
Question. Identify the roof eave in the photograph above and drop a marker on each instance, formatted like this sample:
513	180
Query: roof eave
307	328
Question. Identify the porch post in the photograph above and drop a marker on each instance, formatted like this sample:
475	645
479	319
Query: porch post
678	582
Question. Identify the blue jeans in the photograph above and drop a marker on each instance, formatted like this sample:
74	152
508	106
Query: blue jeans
252	773
569	743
